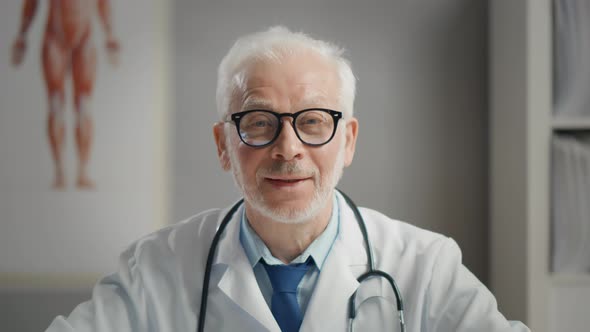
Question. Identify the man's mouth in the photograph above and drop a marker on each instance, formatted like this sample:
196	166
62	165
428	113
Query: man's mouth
285	181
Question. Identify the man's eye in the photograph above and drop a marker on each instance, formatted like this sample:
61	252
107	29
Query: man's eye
261	123
311	121
258	122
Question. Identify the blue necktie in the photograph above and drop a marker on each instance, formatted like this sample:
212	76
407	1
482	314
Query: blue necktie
284	305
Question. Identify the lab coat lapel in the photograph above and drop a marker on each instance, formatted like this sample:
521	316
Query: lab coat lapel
238	282
328	306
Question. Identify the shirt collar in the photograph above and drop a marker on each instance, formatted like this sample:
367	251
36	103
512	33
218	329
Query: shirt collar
319	249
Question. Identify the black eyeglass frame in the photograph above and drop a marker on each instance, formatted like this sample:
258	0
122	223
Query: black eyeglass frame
237	117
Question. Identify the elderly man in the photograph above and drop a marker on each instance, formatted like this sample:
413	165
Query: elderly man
294	255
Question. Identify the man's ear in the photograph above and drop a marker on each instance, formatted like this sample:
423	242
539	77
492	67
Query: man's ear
222	152
351	128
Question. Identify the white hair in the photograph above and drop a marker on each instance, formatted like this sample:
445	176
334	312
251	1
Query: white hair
273	44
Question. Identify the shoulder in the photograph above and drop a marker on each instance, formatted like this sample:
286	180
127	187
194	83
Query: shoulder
173	244
399	235
396	243
161	269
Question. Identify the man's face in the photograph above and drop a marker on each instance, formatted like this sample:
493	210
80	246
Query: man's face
288	181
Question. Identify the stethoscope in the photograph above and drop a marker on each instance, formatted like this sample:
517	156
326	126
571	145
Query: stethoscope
351	302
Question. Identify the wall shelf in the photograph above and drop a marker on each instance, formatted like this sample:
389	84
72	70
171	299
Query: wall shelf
562	123
562	279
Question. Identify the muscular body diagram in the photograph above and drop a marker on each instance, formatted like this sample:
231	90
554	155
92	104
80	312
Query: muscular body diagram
68	51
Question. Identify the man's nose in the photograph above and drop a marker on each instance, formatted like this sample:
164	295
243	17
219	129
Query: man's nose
287	146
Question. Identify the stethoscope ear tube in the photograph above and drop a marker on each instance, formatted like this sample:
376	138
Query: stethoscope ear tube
210	256
361	223
372	272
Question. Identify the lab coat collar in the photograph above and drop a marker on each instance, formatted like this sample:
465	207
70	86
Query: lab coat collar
350	235
328	305
238	281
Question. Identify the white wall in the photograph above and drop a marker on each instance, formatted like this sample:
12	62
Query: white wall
421	68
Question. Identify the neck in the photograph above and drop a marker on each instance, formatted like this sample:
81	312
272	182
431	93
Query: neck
287	241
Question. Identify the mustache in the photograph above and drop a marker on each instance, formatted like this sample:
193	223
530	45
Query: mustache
282	168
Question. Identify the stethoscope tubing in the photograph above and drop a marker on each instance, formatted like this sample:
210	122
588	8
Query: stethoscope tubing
210	256
372	271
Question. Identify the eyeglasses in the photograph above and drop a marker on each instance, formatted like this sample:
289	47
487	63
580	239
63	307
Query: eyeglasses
313	126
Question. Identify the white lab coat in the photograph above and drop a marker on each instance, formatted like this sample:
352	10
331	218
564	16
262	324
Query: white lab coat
158	285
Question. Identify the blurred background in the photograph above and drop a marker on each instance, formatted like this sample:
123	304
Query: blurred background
432	75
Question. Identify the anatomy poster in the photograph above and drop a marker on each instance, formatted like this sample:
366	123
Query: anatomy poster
82	119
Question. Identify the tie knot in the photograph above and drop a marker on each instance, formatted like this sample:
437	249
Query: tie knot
286	278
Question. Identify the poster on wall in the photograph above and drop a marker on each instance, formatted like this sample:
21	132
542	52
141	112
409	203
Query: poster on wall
82	119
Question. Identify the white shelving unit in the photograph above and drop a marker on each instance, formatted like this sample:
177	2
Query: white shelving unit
521	126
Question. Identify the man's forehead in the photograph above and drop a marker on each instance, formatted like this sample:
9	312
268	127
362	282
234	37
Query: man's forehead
307	99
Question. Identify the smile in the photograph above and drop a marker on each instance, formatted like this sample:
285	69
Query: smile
281	182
